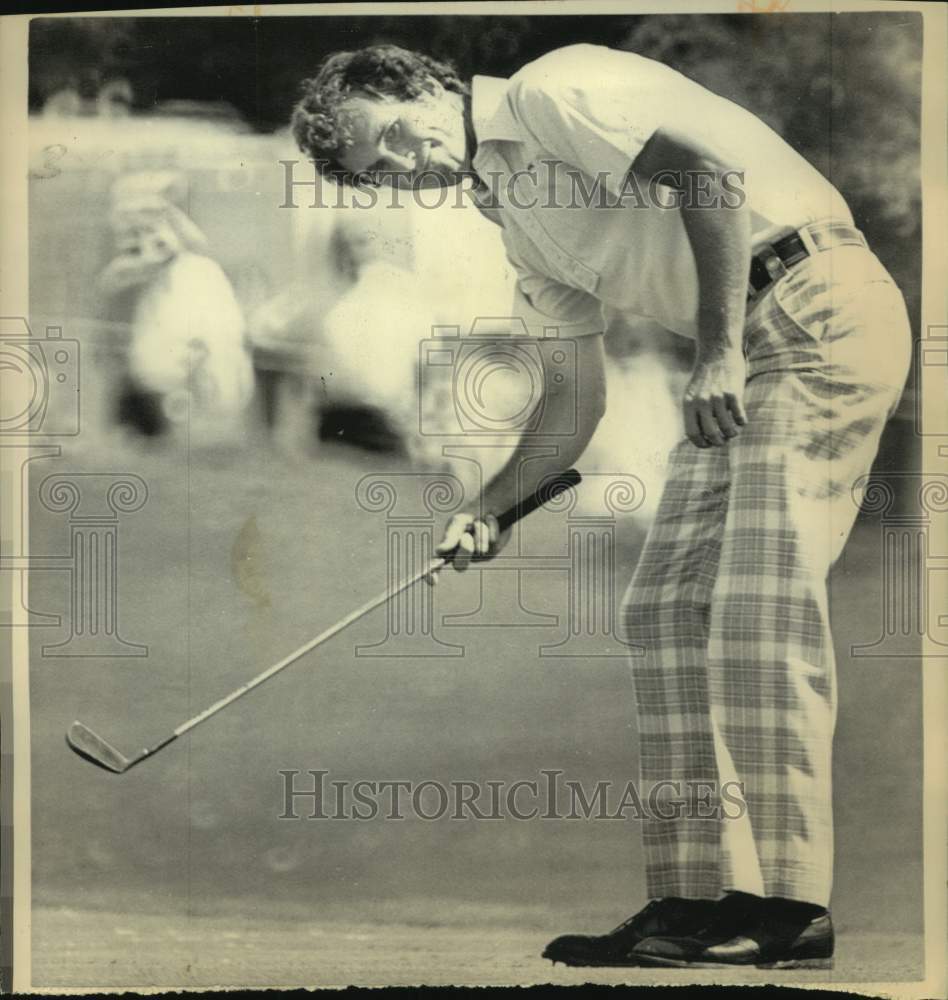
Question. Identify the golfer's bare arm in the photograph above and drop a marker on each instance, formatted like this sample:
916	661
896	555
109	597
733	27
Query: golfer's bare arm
720	239
571	411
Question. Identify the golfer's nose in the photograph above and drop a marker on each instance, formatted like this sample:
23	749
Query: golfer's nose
398	153
402	161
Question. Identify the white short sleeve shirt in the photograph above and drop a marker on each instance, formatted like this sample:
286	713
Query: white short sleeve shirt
555	146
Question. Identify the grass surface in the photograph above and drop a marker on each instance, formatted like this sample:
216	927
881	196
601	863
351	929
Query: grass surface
181	873
489	946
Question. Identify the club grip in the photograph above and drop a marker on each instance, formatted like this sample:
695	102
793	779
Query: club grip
551	487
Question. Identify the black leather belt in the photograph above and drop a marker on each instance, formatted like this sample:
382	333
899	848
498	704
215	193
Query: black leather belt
774	260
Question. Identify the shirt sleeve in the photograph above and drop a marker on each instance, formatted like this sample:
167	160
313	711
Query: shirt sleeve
594	107
543	303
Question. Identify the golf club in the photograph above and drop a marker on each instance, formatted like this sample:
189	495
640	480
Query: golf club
90	746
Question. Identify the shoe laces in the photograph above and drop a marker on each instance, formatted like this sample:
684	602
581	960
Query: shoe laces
636	918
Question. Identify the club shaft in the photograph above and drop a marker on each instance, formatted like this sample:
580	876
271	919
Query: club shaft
307	647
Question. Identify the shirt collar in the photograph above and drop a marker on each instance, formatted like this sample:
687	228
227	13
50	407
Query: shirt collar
490	112
492	120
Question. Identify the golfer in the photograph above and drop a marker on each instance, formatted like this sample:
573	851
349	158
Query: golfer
706	221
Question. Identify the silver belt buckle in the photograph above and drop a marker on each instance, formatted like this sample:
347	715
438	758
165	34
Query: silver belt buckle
776	269
775	266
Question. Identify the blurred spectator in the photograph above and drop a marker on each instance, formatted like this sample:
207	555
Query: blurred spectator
366	358
187	357
113	100
282	332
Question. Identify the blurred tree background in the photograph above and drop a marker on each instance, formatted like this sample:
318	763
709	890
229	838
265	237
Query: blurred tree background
842	88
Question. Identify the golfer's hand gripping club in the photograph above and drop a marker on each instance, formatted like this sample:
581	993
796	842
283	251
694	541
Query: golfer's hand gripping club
468	538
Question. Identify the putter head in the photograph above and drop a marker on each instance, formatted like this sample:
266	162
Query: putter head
95	750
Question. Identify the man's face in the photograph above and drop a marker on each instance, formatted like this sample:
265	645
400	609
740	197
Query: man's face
419	142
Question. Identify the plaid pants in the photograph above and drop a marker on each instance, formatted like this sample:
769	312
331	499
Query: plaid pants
737	682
